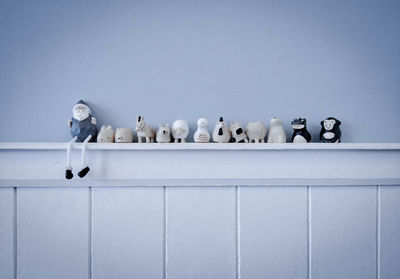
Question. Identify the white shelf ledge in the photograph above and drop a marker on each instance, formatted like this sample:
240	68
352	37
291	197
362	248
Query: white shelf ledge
200	146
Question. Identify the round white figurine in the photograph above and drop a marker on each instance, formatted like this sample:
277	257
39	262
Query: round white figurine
201	135
256	131
221	132
106	134
180	130
163	134
238	135
276	132
123	135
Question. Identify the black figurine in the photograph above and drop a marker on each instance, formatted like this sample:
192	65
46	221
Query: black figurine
330	131
300	133
83	129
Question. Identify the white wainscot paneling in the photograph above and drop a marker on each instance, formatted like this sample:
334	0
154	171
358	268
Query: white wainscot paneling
201	239
6	232
53	239
389	232
273	232
343	230
128	229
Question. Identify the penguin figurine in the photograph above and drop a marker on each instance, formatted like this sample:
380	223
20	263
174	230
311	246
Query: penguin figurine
300	133
83	129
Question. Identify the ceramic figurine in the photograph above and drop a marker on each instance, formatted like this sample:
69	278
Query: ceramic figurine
256	131
163	134
300	133
144	131
83	129
123	135
276	132
330	131
180	130
221	132
201	135
106	134
238	135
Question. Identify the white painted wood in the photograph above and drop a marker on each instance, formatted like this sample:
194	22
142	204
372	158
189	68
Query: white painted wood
273	230
202	146
389	232
117	165
128	232
6	233
200	233
343	230
248	182
53	233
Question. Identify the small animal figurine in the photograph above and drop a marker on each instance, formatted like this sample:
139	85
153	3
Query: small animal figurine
83	129
330	131
201	135
180	130
163	134
256	131
144	131
123	135
276	132
106	134
221	132
238	135
300	133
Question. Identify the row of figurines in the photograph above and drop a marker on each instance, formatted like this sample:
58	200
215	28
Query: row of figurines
84	128
254	132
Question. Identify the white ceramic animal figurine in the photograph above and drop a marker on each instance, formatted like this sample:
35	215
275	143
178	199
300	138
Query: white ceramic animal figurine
238	135
163	134
106	134
180	130
123	135
144	131
221	132
276	132
201	135
256	131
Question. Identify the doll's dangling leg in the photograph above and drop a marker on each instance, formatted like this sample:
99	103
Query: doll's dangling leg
85	167
68	169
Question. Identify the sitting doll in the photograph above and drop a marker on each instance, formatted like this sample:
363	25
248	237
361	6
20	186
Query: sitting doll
83	129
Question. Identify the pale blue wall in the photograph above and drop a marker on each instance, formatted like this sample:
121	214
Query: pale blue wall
245	60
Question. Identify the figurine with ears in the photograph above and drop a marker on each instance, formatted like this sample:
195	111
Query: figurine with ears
300	133
330	131
83	129
143	130
163	134
106	134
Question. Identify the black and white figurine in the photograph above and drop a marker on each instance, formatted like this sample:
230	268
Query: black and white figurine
221	133
300	133
83	129
238	135
330	131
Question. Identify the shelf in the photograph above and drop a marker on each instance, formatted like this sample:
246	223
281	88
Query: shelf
200	146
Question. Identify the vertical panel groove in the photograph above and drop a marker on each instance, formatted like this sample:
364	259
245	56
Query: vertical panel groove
237	236
90	233
309	258
165	233
15	258
378	231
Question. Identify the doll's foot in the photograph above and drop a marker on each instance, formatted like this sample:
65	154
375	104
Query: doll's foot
83	172
68	174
